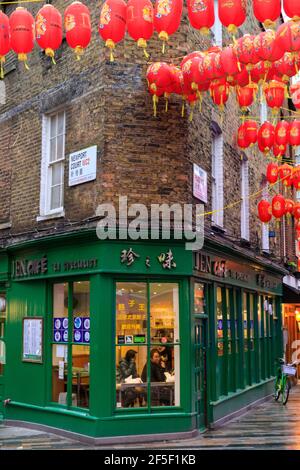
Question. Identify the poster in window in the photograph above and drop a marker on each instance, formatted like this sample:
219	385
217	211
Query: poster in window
32	339
200	183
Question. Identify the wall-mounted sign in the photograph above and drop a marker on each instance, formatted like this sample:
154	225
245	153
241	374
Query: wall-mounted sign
22	268
199	183
60	330
83	166
81	331
32	339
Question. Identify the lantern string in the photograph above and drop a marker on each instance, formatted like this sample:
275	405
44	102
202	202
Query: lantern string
21	1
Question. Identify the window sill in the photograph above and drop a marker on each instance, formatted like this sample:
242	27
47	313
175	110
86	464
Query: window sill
5	225
56	215
217	228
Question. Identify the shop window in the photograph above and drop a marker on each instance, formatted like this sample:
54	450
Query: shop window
71	338
147	349
219	322
199	299
251	326
245	321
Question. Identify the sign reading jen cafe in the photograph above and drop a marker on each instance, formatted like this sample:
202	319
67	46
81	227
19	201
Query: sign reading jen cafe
83	166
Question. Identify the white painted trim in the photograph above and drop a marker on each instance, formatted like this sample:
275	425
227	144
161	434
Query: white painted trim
53	215
245	228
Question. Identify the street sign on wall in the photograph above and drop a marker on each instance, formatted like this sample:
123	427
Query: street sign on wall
199	183
83	166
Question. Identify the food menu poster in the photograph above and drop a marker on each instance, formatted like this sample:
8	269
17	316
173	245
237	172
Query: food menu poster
32	339
81	330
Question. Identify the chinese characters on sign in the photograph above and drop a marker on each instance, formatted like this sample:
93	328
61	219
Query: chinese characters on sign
165	259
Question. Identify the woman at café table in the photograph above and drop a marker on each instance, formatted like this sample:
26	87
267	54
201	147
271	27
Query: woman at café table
161	394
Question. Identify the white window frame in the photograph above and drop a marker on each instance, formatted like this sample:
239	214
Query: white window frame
217	29
217	179
245	229
46	169
265	240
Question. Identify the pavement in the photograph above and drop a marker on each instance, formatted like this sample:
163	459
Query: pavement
270	426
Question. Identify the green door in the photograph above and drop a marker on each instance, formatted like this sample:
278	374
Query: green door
2	349
200	345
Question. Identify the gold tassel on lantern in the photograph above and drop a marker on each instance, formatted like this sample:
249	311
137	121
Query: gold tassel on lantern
111	45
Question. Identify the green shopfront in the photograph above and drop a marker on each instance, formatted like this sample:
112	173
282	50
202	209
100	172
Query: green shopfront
131	338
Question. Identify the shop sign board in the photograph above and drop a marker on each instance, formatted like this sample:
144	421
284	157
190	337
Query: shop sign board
199	183
83	166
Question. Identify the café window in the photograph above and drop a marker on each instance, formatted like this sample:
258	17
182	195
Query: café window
71	339
220	335
199	298
147	345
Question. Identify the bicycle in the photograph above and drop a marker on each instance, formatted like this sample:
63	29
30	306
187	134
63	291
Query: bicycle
282	381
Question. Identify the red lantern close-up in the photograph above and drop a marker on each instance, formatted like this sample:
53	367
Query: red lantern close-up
5	43
278	206
267	48
295	133
245	95
285	173
245	51
160	79
286	67
296	211
275	94
201	14
78	27
265	138
267	11
192	76
232	14
259	72
292	9
219	90
289	206
296	177
22	33
288	36
49	29
264	211
279	150
242	140
230	63
282	133
251	128
295	95
167	16
112	24
140	24
272	173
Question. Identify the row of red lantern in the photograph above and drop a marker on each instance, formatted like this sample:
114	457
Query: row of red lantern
287	174
278	208
269	136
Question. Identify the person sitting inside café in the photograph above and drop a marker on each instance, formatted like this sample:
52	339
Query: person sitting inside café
127	368
157	374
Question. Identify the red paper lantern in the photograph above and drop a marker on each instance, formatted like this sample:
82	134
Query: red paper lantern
259	72
288	36
112	23
296	177
285	173
242	139
296	211
5	43
201	14
241	79
230	63
286	67
140	22
219	90
295	94
22	33
278	206
289	206
278	150
275	94
160	79
272	173
194	79
78	27
264	211
245	95
167	16
251	128
265	137
246	51
295	133
49	29
267	11
267	48
232	14
282	134
292	9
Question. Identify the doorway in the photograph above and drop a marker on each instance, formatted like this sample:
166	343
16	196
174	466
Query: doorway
3	313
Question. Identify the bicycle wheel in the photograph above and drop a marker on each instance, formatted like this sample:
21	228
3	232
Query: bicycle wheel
286	391
277	389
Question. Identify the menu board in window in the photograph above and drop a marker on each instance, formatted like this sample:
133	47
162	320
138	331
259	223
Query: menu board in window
32	339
